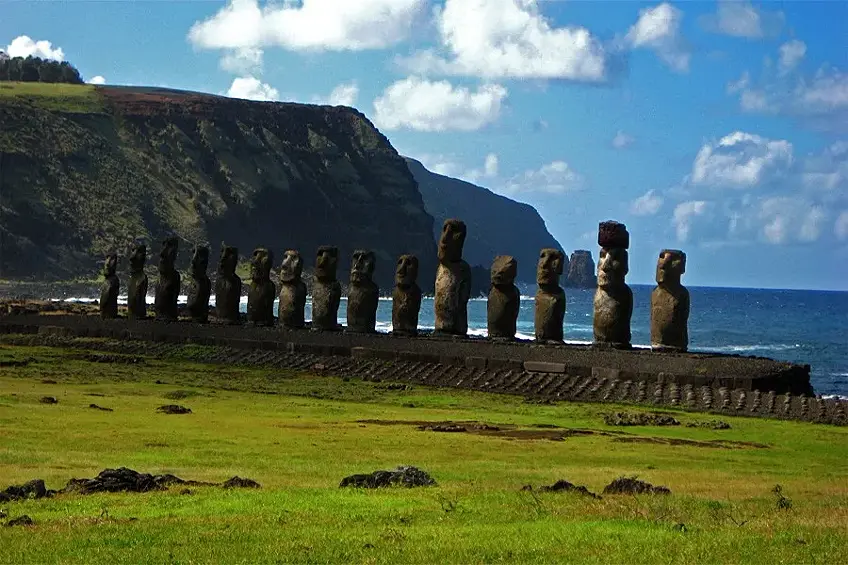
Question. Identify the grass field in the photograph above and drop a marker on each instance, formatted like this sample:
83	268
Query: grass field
298	435
74	98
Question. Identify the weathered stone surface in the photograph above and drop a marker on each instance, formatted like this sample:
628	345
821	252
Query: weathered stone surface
262	292
326	290
581	270
544	367
137	287
550	298
403	477
670	304
200	287
612	234
110	288
453	281
504	299
168	285
613	304
406	297
362	294
228	286
292	291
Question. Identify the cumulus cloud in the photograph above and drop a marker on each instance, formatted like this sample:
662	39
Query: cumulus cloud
243	60
451	167
740	160
741	19
251	88
556	177
24	46
345	94
840	228
96	80
683	216
647	205
331	25
658	29
791	53
789	218
435	106
622	140
498	39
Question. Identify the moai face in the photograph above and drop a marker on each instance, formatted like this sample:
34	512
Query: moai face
549	268
200	260
168	255
612	266
504	270
406	272
228	261
671	265
292	267
260	264
451	241
110	265
327	263
138	256
362	266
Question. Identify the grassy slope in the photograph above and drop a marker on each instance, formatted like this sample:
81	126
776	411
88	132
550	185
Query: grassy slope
73	98
298	435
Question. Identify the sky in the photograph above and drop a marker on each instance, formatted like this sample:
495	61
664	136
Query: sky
718	128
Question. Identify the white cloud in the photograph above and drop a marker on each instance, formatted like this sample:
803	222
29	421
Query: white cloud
840	228
622	140
791	53
556	177
96	80
419	104
251	88
683	215
450	167
647	205
243	60
344	94
785	219
333	25
498	39
740	160
490	166
24	46
741	19
658	29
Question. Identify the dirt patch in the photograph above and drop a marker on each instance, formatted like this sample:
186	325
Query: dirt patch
715	443
711	425
173	409
639	419
403	477
96	407
48	400
563	486
631	485
180	394
506	431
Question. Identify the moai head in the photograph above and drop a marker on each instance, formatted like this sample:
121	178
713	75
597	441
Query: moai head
612	234
327	263
670	266
200	260
452	241
504	270
362	266
138	256
260	264
292	267
549	268
168	255
612	266
110	265
228	261
406	272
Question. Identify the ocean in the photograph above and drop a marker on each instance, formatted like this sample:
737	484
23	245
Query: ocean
802	326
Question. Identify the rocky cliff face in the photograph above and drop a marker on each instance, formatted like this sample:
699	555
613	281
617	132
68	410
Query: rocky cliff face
496	224
82	175
581	270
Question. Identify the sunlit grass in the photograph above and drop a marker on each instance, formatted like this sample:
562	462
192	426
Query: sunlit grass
75	98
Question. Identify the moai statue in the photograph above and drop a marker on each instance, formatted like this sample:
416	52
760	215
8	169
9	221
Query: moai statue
137	287
362	294
453	281
670	304
228	286
326	290
292	291
613	298
550	298
110	288
200	288
168	285
504	298
262	292
406	297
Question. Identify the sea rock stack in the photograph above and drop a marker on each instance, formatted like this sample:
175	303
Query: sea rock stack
581	270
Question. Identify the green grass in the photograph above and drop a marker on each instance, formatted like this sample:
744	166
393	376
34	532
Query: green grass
73	98
298	435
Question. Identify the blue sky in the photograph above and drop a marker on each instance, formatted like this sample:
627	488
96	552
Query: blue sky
720	128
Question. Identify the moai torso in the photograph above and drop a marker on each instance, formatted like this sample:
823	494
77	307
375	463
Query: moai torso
550	298
262	292
363	295
168	285
406	297
326	290
228	287
453	281
200	287
613	304
504	299
292	291
670	304
137	286
110	288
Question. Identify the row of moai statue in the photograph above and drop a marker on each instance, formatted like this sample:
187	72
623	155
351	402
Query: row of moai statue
613	303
